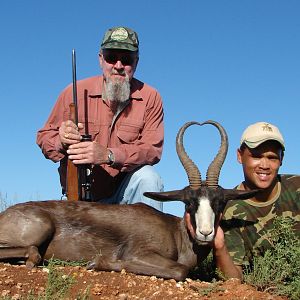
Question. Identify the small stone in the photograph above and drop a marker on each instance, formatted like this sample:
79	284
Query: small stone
123	296
19	285
5	293
8	282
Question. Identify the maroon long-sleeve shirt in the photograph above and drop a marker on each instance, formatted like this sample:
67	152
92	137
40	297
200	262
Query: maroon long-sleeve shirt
135	135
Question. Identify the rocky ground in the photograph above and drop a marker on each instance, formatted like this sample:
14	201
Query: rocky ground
16	282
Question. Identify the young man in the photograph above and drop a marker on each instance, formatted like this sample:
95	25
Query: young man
125	120
245	222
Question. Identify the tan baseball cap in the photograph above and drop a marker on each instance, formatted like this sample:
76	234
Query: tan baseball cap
260	132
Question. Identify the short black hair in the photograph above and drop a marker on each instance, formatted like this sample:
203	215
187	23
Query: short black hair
244	146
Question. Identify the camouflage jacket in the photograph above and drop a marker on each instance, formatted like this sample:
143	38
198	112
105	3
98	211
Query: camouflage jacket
245	222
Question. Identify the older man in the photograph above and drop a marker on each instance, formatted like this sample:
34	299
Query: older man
125	120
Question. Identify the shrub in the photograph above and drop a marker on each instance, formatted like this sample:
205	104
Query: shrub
278	270
58	284
205	271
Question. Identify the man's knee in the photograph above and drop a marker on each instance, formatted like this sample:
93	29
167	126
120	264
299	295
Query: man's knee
147	176
145	179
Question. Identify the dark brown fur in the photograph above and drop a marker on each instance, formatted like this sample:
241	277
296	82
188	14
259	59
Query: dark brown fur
135	237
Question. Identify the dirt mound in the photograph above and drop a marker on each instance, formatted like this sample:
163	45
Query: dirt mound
17	281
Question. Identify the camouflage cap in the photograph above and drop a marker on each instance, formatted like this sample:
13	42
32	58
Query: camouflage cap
260	132
120	38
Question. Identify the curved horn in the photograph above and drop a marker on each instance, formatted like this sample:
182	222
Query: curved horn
191	169
213	171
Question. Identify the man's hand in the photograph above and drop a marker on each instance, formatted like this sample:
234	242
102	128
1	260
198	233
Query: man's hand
222	257
69	133
188	224
219	241
88	153
223	260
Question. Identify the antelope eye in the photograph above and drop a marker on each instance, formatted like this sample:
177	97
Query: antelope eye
189	206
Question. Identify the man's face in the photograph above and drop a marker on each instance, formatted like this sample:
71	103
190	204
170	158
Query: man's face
261	164
118	64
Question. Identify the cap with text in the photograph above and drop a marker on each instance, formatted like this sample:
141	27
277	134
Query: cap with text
260	132
120	38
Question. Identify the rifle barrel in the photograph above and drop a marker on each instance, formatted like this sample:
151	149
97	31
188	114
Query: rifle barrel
86	113
74	85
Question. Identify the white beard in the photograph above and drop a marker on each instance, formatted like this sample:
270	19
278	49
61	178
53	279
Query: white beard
117	90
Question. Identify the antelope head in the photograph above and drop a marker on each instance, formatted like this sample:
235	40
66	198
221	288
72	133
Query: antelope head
204	200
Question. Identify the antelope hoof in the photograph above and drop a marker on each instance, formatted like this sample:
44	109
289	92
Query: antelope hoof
34	257
29	264
91	265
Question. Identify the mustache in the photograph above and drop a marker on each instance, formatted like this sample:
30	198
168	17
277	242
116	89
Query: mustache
115	72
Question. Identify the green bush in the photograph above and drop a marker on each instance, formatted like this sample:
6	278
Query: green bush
205	271
58	285
278	270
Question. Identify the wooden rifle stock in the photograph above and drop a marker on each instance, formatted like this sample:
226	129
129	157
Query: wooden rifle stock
72	170
78	178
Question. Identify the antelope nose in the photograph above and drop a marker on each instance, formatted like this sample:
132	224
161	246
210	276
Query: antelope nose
206	232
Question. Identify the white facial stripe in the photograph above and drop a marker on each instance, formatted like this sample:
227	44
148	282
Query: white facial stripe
205	218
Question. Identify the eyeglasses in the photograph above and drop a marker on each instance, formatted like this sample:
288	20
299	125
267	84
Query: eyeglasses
125	59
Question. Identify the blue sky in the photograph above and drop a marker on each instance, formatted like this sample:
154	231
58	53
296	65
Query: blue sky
236	62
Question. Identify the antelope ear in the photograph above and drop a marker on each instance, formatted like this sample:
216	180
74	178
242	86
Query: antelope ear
177	195
233	194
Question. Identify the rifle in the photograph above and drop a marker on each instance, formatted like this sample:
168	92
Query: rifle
86	169
78	178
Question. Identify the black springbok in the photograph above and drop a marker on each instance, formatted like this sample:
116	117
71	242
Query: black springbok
136	237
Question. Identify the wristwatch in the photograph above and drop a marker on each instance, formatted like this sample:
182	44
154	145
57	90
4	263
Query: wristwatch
111	157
